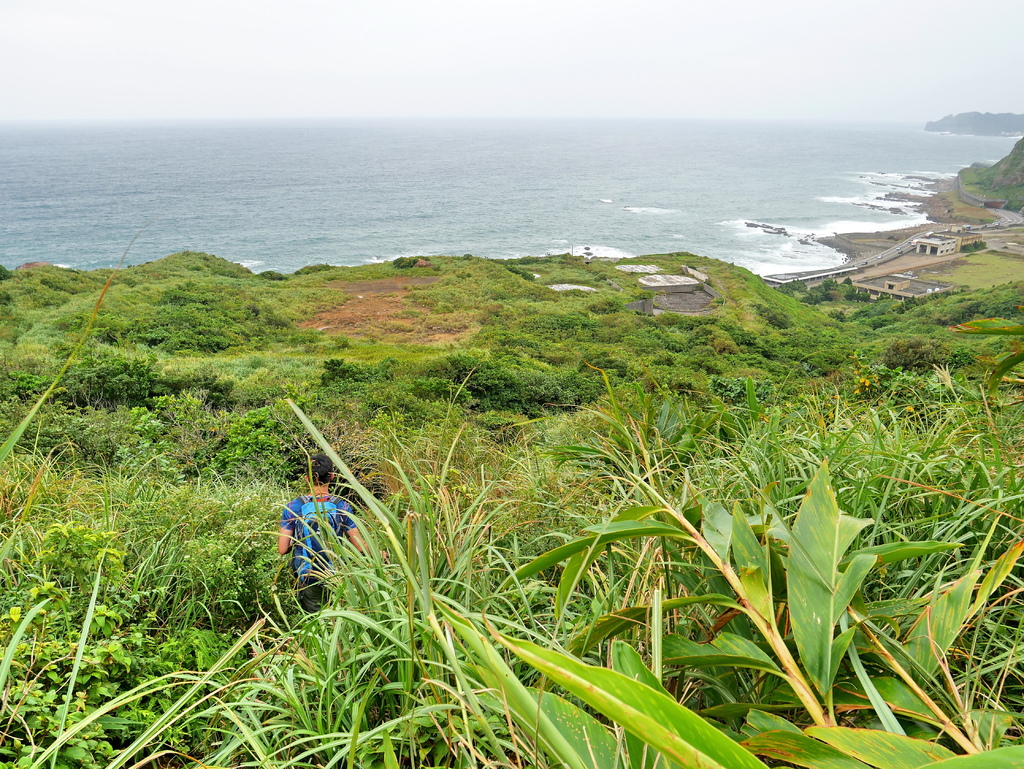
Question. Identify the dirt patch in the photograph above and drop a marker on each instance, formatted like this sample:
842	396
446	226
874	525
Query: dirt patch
386	310
381	286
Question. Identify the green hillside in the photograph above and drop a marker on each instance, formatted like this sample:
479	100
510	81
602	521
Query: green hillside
1004	180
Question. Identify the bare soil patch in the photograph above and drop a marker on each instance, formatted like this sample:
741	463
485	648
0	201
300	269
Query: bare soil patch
386	310
383	285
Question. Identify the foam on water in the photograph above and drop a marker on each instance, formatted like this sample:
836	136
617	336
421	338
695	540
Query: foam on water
649	210
599	252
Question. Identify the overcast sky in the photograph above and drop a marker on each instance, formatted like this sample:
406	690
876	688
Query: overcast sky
911	60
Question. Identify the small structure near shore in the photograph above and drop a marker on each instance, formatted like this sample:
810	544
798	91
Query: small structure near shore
936	246
680	294
963	235
807	277
901	286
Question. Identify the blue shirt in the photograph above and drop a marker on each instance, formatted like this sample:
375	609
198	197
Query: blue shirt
302	559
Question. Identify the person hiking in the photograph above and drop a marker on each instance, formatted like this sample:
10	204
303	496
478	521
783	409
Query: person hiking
300	526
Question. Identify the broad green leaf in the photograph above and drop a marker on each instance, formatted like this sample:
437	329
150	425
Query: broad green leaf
800	750
717	528
573	571
994	578
839	647
617	621
642	528
902	699
390	759
880	749
991	724
1004	364
998	326
637	513
769	722
611	532
940	623
1003	758
627	661
818	594
585	734
850	582
900	551
726	650
751	564
661	722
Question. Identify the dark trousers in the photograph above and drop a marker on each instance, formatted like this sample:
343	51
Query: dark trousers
312	593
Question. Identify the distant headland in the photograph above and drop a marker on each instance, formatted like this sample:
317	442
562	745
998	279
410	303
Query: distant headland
979	124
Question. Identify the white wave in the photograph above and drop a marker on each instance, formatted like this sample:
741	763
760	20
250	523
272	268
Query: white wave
605	200
845	225
933	174
649	210
599	252
788	256
250	263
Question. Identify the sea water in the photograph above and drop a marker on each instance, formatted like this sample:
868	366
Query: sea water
281	195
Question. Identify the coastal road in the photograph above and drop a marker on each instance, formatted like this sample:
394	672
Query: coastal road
1008	218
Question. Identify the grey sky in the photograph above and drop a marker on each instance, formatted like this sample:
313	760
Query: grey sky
867	60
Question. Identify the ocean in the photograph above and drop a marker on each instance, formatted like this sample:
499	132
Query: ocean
282	195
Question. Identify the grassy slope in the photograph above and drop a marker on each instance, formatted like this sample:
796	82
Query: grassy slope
982	270
1003	180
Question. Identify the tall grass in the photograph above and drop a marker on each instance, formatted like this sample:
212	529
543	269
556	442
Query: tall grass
403	668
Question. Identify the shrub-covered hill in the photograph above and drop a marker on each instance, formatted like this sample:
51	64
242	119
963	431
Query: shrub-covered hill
1006	178
193	355
189	304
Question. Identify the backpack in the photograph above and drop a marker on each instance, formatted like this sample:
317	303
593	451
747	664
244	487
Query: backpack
309	553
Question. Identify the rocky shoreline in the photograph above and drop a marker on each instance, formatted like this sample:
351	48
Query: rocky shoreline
861	245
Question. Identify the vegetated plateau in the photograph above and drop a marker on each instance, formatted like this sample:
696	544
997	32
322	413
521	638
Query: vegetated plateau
785	532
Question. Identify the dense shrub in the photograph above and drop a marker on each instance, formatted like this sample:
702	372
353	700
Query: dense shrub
337	370
509	384
914	353
271	275
313	268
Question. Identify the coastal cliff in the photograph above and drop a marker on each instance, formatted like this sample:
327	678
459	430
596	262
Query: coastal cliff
1004	180
979	124
1008	172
